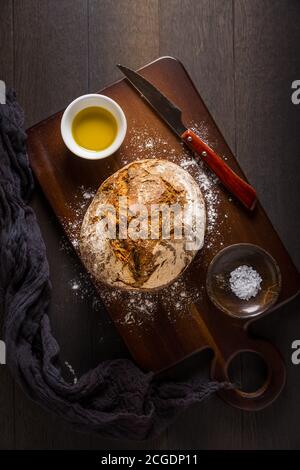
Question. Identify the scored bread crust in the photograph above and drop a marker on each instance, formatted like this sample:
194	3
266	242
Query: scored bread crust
141	264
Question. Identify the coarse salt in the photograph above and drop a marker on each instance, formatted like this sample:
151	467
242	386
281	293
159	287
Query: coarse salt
245	282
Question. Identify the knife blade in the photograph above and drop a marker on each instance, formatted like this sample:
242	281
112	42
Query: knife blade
172	115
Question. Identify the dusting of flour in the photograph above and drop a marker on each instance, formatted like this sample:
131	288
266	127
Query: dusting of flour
140	307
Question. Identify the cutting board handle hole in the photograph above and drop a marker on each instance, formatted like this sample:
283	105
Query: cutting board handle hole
249	371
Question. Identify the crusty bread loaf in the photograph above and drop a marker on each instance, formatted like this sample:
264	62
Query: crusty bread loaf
135	263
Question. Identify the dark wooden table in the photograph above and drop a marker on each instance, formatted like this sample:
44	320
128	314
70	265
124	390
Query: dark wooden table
243	56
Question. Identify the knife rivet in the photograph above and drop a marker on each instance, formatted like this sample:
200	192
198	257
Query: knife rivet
204	154
190	138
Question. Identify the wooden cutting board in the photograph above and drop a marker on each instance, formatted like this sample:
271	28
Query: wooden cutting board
163	328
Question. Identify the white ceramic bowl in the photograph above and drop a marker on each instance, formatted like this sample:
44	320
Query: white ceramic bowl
78	105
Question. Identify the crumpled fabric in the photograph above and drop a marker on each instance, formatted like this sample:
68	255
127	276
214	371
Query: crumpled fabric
116	399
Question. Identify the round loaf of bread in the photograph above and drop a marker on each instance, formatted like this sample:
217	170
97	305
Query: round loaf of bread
130	235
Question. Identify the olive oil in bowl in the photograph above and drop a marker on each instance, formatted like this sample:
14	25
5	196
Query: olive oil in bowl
94	128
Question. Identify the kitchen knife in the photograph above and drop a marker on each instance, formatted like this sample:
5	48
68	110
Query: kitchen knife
172	116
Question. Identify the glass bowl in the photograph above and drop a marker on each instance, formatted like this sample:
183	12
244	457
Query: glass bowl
218	275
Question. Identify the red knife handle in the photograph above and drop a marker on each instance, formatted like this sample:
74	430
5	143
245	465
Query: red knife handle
236	185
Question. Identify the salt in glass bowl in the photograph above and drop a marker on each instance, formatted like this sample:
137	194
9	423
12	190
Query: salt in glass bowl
218	275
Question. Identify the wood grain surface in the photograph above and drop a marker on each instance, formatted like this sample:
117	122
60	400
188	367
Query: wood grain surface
242	56
163	338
